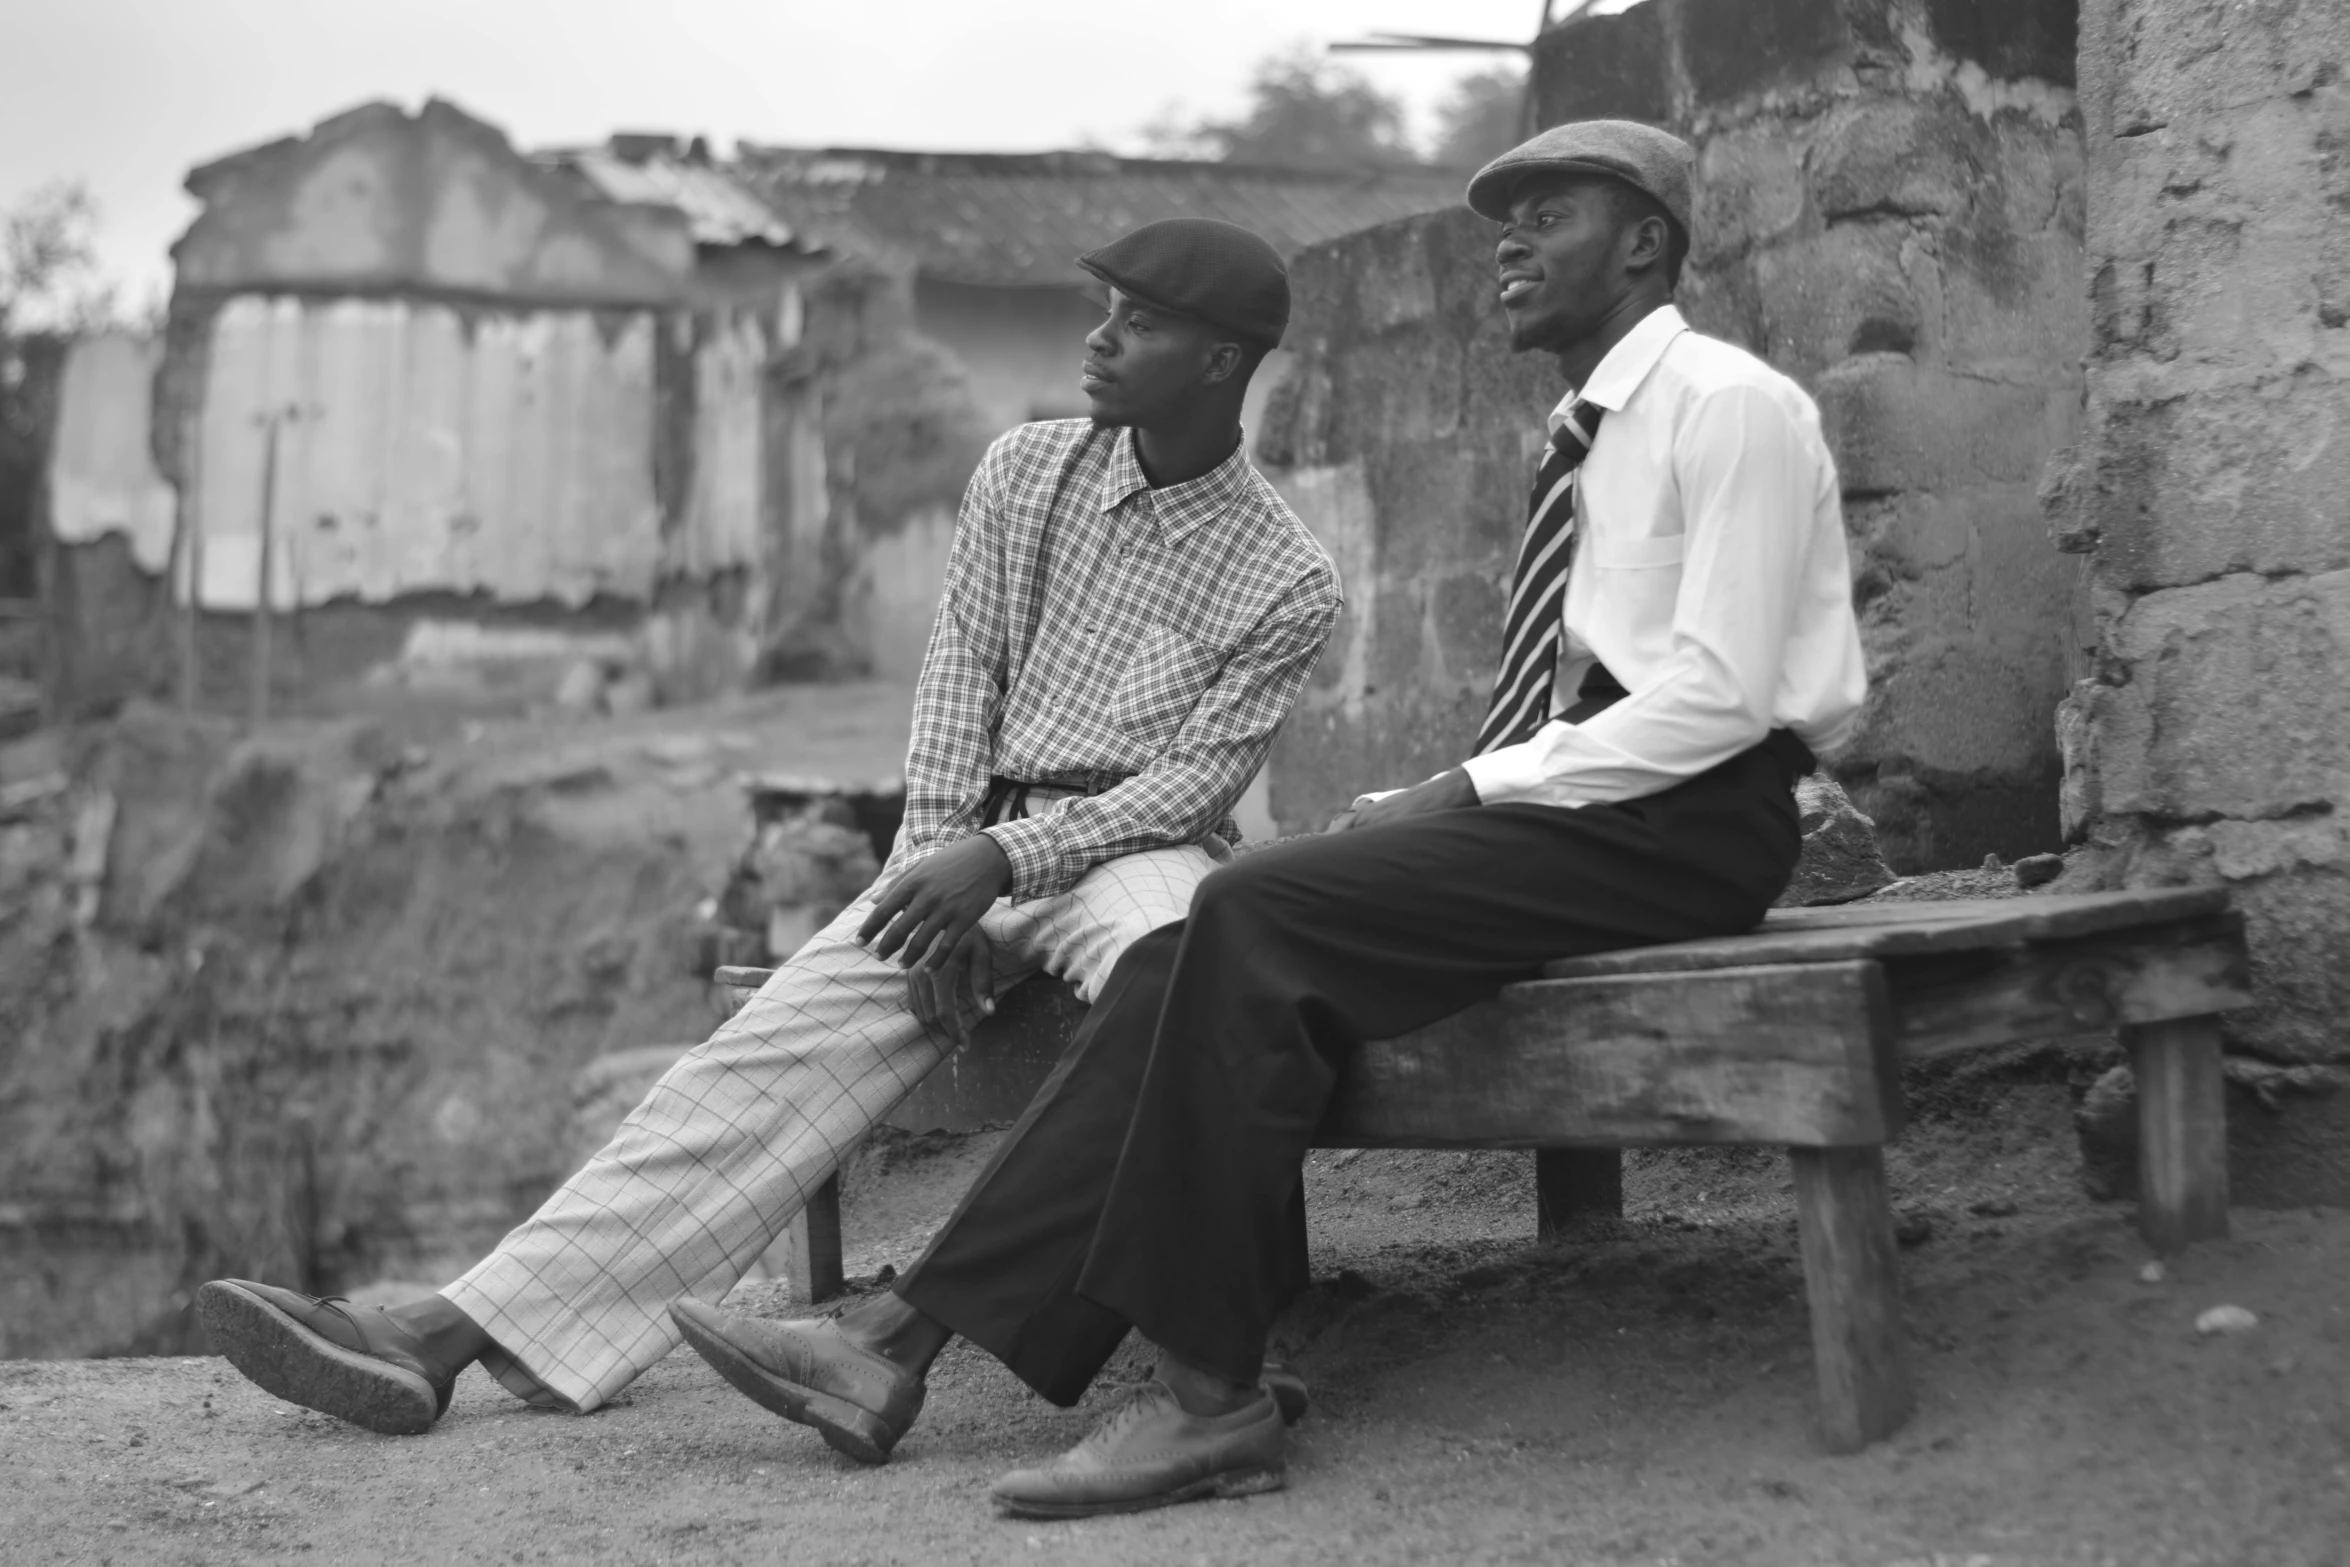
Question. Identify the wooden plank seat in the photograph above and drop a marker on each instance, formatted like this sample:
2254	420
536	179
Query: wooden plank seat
1792	1035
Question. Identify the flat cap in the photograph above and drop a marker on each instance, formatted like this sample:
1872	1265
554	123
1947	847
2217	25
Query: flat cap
1642	156
1218	272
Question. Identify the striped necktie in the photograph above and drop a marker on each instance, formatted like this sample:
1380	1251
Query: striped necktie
1531	631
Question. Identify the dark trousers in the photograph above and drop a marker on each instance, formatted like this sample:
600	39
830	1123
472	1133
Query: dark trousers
1155	1180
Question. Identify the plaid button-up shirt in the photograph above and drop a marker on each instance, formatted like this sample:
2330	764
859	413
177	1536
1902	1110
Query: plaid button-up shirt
1092	623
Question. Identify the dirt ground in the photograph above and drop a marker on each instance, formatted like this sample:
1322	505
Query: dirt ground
1638	1393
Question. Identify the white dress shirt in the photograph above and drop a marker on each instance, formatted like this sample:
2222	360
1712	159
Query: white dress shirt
1710	577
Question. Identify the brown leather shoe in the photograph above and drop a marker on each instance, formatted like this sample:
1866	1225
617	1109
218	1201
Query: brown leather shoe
1150	1453
325	1354
808	1371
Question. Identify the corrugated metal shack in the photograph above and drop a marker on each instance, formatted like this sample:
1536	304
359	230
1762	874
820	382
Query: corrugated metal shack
451	417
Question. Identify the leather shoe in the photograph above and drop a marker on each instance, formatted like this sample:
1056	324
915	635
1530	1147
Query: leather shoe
808	1371
1152	1452
325	1354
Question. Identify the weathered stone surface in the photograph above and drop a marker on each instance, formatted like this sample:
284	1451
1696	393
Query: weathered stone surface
1836	294
1840	859
2237	702
2008	38
1901	157
1734	47
1897	425
2227	480
1750	190
1613	66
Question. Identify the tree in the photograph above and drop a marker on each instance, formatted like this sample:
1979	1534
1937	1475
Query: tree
1304	112
49	264
1482	118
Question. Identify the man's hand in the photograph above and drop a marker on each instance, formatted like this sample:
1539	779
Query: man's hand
1450	791
924	916
936	991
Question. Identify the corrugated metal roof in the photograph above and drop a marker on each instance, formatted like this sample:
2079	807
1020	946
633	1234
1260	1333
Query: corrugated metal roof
1019	219
718	208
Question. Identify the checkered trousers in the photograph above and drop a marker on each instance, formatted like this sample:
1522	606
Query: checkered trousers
703	1176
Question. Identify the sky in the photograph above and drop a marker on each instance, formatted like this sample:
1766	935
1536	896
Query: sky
127	95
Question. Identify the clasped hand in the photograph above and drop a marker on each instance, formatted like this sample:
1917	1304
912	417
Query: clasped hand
928	919
1447	791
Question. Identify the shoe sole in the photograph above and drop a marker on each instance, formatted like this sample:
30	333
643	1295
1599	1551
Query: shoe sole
283	1357
1255	1480
846	1427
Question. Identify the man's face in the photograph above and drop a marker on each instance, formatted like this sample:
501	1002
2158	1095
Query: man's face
1560	263
1144	362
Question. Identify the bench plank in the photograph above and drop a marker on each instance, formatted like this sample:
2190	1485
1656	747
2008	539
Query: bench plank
1877	930
1795	1056
1965	1001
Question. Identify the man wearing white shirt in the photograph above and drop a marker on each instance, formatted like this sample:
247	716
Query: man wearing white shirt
1677	643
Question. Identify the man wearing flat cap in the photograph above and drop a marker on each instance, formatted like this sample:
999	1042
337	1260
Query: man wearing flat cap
1129	613
1676	642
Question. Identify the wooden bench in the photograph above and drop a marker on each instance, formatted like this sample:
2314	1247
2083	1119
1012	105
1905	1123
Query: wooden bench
1793	1035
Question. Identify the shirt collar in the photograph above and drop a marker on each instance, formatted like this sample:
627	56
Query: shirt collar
1627	364
1178	508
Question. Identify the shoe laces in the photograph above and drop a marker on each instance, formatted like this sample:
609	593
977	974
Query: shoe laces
1141	1404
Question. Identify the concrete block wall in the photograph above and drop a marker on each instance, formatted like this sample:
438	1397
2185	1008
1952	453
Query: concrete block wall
1889	207
2211	493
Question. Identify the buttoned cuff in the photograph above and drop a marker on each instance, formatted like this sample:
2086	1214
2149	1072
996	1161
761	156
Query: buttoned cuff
1034	849
1512	773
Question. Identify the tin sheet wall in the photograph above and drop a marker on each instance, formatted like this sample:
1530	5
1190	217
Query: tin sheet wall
423	448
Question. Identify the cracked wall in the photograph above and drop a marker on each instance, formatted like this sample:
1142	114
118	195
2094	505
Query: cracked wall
2211	742
1889	208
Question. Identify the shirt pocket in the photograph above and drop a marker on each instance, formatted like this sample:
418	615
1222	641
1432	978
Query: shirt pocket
1164	678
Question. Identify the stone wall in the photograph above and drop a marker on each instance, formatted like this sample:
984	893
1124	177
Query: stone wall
2212	495
1889	208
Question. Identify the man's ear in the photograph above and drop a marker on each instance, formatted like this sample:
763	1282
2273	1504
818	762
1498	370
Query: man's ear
1224	361
1647	245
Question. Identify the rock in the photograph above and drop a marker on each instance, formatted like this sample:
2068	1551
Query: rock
2038	870
631	693
2153	1273
1912	1228
1840	860
2226	1319
805	867
581	690
1994	1207
1407	1202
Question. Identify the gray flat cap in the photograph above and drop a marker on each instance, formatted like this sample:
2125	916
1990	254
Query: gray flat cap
1642	156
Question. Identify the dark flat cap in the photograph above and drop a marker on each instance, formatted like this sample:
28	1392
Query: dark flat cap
1642	156
1218	272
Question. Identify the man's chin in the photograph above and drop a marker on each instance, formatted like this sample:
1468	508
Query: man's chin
1532	334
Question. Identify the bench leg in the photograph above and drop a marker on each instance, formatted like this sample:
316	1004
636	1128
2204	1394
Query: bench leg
1856	1338
1576	1183
815	1246
2182	1131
